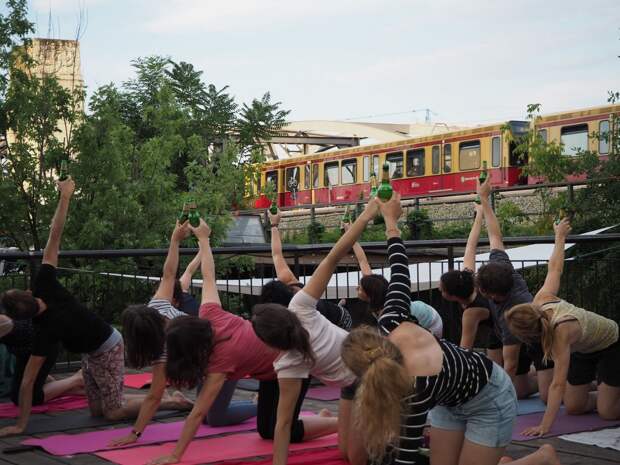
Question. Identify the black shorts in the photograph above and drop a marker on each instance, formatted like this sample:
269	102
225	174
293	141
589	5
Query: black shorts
602	366
348	393
532	353
493	341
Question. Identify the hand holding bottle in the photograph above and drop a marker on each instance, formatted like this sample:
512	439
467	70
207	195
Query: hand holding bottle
202	231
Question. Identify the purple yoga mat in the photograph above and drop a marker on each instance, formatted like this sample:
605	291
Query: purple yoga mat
69	444
323	393
564	424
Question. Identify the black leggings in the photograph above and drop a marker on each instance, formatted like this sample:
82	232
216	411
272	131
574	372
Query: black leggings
38	396
268	394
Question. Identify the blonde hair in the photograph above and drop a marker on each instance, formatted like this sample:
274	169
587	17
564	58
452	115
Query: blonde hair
529	323
384	382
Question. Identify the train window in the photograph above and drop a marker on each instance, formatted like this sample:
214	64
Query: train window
603	134
348	171
291	177
395	160
330	174
307	176
469	155
315	175
272	178
574	139
435	159
543	134
447	158
496	152
415	162
375	165
366	169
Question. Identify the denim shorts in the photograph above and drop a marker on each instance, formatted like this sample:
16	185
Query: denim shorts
488	418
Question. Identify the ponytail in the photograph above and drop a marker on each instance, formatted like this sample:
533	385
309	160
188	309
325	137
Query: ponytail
530	324
384	382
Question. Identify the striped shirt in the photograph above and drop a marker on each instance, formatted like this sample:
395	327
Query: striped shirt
165	308
463	375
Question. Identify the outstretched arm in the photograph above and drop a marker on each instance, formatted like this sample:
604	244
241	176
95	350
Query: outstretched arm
166	285
186	277
555	267
283	272
317	284
495	232
207	265
470	322
469	259
360	255
52	248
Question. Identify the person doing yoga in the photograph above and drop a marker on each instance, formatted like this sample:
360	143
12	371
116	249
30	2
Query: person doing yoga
583	345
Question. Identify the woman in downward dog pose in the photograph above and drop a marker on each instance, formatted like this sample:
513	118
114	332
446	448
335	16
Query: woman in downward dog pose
309	344
583	345
220	347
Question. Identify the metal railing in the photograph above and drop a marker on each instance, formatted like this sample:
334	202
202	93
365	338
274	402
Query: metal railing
106	281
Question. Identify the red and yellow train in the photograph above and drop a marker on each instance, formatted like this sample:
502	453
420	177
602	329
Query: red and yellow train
444	163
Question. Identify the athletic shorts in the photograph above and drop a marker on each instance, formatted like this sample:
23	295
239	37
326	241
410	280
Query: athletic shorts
532	353
602	366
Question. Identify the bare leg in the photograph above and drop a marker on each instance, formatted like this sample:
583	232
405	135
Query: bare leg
578	399
475	454
70	385
132	404
450	444
546	455
315	427
608	402
525	385
544	378
496	355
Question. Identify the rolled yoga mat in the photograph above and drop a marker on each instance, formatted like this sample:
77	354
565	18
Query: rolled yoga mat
60	404
69	444
564	424
235	446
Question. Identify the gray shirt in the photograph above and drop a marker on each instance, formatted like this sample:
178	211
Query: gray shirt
519	294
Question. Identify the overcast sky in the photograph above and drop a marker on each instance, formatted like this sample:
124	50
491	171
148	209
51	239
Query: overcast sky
469	61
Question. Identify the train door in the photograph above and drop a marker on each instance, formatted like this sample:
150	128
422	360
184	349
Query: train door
436	169
499	172
272	178
446	167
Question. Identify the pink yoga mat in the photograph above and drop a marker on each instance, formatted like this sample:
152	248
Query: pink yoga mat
311	457
564	424
138	381
69	444
60	404
323	393
236	446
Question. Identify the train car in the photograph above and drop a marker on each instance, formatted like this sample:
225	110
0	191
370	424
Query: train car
444	163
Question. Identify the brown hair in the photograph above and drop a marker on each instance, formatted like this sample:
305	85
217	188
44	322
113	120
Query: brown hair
384	382
529	323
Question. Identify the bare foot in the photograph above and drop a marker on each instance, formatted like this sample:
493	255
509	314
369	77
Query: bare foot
504	459
325	413
547	454
183	401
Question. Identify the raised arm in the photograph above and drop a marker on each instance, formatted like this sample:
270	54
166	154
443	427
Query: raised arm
52	248
469	259
283	272
555	267
495	232
317	284
186	277
169	275
360	255
207	265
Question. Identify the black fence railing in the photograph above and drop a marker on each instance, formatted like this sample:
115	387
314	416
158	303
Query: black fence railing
106	281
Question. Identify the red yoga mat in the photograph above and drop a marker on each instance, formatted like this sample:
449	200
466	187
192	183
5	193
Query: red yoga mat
60	404
69	444
311	457
138	381
564	424
236	446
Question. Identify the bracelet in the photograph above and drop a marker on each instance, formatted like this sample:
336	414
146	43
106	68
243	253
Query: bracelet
136	434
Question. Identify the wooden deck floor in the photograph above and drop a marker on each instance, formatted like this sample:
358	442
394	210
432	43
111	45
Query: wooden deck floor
570	453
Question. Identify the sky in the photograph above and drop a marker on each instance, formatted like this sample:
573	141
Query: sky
469	61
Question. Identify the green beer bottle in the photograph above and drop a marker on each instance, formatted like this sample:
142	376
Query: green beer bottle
273	209
384	192
184	215
373	185
561	215
64	172
192	215
482	178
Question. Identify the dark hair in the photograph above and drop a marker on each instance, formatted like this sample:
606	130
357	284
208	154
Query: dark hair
280	328
143	334
276	292
495	278
375	286
177	293
458	283
189	343
19	305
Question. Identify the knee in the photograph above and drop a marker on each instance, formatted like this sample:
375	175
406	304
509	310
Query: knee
575	407
544	395
264	430
608	414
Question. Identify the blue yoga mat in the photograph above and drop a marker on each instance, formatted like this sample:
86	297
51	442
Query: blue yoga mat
531	405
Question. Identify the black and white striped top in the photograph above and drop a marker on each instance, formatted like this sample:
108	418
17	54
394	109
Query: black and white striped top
463	375
398	299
